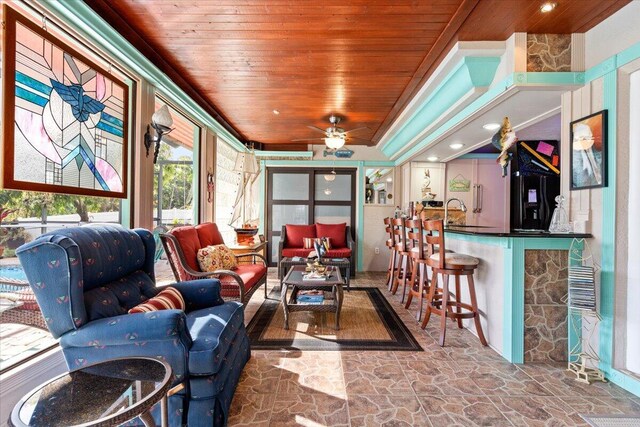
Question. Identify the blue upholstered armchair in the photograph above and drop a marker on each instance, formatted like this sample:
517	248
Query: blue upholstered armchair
85	279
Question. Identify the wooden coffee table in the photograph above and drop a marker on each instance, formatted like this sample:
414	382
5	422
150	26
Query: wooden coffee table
294	280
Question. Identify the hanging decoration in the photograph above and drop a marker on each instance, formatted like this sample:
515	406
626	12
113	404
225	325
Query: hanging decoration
210	185
459	184
65	118
503	140
244	214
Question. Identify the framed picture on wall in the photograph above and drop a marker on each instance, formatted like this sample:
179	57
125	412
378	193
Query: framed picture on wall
588	154
65	117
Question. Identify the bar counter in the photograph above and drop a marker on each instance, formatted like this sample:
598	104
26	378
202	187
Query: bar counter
513	264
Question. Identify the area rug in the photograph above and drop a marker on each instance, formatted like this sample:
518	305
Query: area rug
367	322
612	420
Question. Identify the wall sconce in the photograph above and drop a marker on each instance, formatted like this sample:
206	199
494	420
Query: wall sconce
161	122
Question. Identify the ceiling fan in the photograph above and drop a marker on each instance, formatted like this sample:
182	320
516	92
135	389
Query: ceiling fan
334	136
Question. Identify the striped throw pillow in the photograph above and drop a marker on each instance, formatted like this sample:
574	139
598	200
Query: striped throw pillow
168	299
309	241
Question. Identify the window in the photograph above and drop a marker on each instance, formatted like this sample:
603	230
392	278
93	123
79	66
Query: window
22	328
174	172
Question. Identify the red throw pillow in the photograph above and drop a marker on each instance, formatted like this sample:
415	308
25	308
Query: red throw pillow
296	234
168	299
335	232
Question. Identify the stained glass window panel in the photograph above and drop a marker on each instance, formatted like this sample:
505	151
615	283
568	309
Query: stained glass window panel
70	119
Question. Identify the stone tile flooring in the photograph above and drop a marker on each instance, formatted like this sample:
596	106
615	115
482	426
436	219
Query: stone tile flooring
463	384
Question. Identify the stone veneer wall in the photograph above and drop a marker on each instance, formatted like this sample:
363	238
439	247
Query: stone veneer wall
545	315
548	52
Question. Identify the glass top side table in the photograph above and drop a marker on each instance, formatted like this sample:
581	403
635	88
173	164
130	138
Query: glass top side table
103	394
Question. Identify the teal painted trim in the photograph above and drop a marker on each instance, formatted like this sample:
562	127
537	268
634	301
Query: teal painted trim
607	272
313	163
601	69
298	154
479	156
378	164
507	298
360	213
630	54
625	381
90	25
485	240
469	74
548	78
263	196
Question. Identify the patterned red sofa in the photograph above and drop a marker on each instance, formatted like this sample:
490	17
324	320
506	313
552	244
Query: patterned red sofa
342	242
182	244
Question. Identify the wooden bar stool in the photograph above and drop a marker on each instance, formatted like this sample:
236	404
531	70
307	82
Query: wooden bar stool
419	282
393	253
451	264
402	250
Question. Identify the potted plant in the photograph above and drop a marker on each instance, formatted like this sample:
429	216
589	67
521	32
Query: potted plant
4	212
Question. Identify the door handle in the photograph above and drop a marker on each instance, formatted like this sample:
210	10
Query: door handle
475	198
480	197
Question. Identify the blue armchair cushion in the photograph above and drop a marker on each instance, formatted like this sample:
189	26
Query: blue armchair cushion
212	330
118	297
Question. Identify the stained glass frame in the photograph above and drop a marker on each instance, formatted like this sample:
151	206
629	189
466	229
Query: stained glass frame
62	112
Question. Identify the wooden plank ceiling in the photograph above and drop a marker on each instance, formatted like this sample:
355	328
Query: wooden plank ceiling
361	59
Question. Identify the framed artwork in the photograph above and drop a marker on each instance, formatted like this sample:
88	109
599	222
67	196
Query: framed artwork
588	155
65	118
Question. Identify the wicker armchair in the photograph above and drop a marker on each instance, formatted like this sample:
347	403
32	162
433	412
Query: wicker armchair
182	244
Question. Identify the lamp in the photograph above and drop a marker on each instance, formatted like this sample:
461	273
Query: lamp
334	142
161	122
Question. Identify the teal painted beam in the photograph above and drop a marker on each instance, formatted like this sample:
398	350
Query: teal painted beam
479	156
330	163
607	272
80	17
296	154
471	73
548	78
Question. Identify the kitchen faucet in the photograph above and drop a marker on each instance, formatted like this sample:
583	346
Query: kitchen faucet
463	208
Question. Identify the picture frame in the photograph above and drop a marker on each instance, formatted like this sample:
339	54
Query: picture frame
65	127
588	151
262	238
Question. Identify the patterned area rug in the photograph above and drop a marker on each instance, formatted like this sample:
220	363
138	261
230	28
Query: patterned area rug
612	420
367	322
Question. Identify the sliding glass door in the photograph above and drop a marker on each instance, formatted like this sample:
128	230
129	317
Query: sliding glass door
305	196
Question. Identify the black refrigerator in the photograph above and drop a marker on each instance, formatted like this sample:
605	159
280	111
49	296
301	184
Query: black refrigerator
535	183
533	201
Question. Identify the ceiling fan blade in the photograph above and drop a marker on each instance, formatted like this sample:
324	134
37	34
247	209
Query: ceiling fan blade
359	139
307	139
317	128
357	129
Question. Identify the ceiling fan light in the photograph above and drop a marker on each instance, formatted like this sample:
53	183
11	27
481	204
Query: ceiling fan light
334	142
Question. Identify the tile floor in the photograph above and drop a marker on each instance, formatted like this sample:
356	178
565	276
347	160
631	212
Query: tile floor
463	384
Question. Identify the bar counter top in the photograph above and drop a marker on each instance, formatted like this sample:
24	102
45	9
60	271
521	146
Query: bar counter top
505	232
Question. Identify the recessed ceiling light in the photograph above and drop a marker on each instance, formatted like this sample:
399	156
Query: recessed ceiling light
491	126
389	179
547	7
456	145
432	158
276	112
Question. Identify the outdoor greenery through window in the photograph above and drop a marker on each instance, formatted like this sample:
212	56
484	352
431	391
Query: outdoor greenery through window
173	185
24	216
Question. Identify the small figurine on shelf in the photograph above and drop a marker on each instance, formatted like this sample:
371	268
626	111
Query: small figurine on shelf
559	220
397	213
369	194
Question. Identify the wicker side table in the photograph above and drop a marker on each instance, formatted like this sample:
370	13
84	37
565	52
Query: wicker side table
342	263
295	281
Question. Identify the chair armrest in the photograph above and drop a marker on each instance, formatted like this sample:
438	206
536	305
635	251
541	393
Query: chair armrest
283	240
200	294
253	254
131	329
233	274
349	238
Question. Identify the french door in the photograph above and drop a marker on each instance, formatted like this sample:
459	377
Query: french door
306	196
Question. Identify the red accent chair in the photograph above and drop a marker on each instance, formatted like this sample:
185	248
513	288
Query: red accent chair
342	243
182	244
